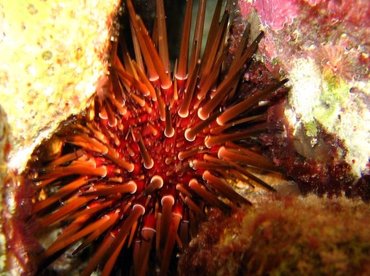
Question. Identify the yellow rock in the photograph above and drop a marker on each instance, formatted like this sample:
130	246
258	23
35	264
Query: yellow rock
52	55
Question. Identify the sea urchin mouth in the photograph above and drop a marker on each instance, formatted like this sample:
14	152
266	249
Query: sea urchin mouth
133	174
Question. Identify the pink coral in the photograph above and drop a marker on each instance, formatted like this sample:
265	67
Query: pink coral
356	12
276	13
333	32
245	8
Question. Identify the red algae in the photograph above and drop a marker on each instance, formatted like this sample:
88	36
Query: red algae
283	235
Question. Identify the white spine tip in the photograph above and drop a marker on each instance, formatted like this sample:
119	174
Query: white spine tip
180	156
146	228
220	152
181	78
201	114
168	199
140	208
169	133
103	117
154	79
194	164
205	175
131	168
187	135
183	114
219	121
134	185
206	142
193	182
166	86
114	124
158	180
105	171
149	165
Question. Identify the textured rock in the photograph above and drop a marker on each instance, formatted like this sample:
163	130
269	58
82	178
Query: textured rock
323	48
53	54
4	148
283	236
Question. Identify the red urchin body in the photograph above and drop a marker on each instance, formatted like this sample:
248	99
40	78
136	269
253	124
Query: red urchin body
135	171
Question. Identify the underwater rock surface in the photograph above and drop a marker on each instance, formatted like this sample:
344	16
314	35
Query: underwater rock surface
323	48
284	236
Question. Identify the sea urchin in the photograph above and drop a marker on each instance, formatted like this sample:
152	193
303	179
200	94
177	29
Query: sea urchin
131	175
